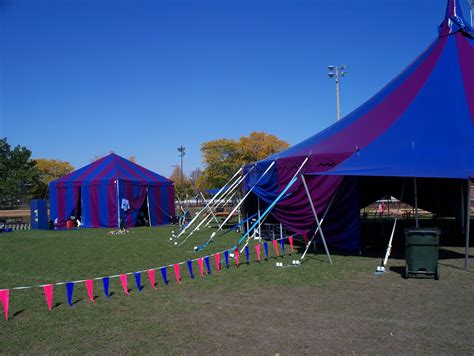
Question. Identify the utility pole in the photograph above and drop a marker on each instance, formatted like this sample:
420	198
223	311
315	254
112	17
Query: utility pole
181	150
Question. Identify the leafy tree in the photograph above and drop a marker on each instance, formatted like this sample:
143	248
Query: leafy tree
18	174
223	157
49	170
259	145
183	188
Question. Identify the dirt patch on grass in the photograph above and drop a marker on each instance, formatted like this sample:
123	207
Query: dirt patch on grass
363	314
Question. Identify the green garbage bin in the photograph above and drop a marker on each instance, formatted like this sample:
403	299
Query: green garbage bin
421	252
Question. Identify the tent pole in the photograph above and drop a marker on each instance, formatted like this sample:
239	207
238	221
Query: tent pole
258	210
118	205
468	223
213	215
416	204
316	217
148	206
321	223
208	205
243	199
389	247
270	207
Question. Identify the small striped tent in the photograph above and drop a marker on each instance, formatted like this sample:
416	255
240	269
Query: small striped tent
110	191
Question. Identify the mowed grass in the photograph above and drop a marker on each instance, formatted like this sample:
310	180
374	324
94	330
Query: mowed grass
147	321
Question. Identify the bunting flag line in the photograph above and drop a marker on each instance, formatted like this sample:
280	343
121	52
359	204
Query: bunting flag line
176	272
69	290
190	269
275	246
217	257
123	280
90	289
226	257
208	264
201	267
151	276
163	274
290	239
237	255
49	288
138	280
105	283
48	293
257	249
4	296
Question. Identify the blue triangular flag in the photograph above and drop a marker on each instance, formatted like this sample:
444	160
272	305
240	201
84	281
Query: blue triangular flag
70	290
265	246
226	256
282	243
163	274
190	268
105	281
208	265
138	280
247	254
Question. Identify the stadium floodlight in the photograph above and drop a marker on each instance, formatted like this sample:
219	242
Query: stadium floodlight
334	73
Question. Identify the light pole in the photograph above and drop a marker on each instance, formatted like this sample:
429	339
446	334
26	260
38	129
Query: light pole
181	150
334	73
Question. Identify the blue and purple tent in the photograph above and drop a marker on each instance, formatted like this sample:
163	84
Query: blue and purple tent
95	194
420	125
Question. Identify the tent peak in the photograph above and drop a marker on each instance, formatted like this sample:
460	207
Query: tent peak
459	17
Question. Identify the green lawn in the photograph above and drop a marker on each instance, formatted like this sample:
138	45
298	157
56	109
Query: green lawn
41	257
255	308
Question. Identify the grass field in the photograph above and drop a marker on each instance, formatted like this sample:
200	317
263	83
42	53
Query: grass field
255	308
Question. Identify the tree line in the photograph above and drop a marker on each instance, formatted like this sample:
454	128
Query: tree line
23	178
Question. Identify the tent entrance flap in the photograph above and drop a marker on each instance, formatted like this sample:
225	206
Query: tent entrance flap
143	216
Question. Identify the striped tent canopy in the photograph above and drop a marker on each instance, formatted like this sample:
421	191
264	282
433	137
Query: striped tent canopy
111	191
421	125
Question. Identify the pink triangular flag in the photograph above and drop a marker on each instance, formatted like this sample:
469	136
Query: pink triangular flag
151	275
90	289
305	237
4	297
275	246
217	257
291	243
201	267
257	249
48	292
123	280
237	254
176	272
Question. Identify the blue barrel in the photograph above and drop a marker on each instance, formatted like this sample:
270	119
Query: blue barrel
39	214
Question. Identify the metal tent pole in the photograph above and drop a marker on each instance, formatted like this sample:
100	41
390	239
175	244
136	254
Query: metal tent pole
389	247
148	206
270	207
416	204
316	217
118	205
468	223
320	225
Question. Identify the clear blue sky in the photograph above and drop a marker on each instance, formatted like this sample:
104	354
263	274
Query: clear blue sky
82	77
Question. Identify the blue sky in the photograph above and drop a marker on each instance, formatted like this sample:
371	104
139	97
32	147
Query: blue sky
80	78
